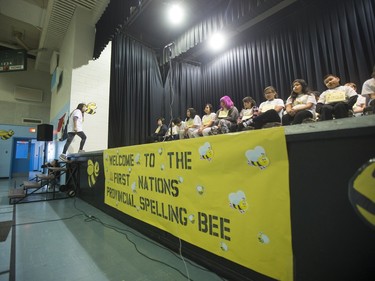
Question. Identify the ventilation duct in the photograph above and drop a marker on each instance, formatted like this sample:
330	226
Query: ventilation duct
31	121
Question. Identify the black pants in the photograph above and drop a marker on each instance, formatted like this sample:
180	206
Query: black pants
266	117
297	118
339	110
71	136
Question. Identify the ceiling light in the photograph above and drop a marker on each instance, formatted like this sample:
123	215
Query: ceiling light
175	14
217	42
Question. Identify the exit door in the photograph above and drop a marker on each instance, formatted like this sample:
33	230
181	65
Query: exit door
23	159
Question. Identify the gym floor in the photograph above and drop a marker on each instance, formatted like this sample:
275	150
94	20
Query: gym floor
68	239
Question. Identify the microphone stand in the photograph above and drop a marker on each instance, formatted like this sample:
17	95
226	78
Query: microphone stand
170	87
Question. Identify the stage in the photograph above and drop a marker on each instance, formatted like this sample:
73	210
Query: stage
330	229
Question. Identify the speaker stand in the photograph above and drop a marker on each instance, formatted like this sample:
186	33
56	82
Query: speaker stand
45	156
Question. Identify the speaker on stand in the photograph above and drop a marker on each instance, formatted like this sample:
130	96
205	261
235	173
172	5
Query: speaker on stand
44	133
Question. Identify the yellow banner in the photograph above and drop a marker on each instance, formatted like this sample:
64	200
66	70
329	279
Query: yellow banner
228	194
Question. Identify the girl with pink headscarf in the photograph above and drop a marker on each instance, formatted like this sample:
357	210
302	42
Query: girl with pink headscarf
226	117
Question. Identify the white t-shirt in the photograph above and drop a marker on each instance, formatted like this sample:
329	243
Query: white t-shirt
196	122
302	99
246	113
361	100
206	119
368	88
174	131
76	113
267	105
340	93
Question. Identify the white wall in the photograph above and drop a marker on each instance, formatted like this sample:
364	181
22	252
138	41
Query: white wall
60	99
90	83
11	110
84	80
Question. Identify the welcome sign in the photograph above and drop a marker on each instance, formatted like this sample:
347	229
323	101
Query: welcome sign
228	194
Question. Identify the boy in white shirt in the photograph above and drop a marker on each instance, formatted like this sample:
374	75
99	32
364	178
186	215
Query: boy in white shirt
336	100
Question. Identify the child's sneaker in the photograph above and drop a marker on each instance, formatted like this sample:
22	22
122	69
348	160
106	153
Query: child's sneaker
63	157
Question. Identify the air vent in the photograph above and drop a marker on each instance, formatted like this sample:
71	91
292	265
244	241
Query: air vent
31	121
28	94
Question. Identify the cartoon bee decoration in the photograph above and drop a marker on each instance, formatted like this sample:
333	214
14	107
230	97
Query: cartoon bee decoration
206	152
137	159
92	172
134	187
6	134
224	246
257	158
263	238
238	201
200	189
191	218
91	108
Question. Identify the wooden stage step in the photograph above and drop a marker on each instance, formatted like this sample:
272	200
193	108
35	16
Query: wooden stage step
16	193
31	184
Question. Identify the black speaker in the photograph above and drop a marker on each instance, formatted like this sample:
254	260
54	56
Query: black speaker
44	133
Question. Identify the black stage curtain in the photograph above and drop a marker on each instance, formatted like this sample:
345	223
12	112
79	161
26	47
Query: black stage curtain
337	38
111	22
308	44
183	90
136	93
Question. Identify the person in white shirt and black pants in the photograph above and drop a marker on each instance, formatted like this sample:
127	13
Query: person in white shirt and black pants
75	128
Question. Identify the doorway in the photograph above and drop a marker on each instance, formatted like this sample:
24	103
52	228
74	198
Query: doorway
26	157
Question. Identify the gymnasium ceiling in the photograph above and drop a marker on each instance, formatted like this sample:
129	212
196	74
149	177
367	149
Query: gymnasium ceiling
39	26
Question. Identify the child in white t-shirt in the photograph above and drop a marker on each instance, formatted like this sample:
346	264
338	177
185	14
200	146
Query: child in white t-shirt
368	90
360	103
207	121
75	128
300	105
269	111
249	111
192	122
336	100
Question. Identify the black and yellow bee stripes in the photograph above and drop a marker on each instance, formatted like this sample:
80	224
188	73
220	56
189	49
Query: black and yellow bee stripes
91	108
92	172
362	193
5	135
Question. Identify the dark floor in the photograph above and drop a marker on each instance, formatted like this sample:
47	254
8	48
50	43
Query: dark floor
68	239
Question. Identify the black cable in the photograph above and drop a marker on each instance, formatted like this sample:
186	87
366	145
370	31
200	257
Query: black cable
95	219
90	218
36	222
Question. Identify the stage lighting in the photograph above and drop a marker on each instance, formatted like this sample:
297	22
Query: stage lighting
217	42
176	14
